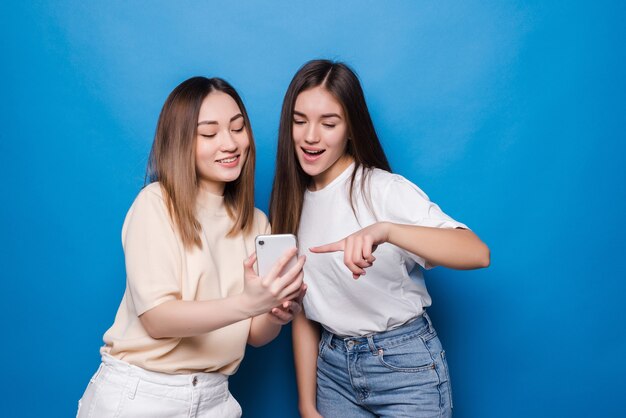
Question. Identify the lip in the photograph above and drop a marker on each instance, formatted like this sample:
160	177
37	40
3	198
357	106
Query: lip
229	162
311	157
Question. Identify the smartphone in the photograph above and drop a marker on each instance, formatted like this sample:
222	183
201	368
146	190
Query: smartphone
269	249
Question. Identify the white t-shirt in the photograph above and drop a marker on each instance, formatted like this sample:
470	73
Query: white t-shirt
393	291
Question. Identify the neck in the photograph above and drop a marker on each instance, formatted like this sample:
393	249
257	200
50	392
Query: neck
214	188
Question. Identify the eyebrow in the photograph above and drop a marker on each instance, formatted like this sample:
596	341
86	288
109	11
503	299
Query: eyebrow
325	115
212	122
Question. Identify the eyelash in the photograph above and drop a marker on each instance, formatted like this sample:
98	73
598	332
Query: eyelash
301	122
238	131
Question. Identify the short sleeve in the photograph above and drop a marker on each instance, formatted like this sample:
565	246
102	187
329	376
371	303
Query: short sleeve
405	203
152	252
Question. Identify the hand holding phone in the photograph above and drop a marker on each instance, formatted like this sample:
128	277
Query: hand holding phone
279	276
269	249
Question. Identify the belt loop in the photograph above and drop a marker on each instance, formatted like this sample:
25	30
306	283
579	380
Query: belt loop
327	337
430	324
372	346
131	386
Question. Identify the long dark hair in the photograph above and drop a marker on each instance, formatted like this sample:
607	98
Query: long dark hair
290	181
173	155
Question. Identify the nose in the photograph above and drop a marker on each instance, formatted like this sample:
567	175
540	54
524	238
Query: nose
312	134
228	143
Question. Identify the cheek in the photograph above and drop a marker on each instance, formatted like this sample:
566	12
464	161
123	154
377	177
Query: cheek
296	133
337	140
244	144
199	152
204	150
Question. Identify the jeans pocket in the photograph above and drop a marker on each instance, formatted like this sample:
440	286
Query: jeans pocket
412	357
234	406
90	393
96	374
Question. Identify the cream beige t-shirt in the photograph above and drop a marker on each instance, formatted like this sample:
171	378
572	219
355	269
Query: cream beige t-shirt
160	269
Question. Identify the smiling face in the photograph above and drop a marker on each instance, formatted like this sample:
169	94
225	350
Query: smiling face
222	142
320	133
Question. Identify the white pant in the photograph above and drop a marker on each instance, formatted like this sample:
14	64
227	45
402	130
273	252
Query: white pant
119	389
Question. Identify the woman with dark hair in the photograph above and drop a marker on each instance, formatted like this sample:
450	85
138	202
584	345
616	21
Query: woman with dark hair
376	352
190	306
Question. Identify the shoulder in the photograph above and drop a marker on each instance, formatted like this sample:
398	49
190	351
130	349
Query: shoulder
382	182
381	177
396	198
152	191
148	216
149	205
260	222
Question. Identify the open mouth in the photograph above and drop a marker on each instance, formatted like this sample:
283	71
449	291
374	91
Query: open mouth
313	152
228	160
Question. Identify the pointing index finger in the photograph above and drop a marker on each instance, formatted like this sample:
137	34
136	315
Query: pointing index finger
329	248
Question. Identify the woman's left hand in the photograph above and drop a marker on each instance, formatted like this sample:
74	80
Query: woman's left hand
359	247
285	313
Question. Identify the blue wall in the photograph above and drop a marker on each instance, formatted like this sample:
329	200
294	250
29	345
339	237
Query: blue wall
509	114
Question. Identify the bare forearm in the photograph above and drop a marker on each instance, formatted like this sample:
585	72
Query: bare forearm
454	248
262	330
178	318
306	336
190	318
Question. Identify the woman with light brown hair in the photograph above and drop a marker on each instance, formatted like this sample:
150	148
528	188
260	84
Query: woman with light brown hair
193	299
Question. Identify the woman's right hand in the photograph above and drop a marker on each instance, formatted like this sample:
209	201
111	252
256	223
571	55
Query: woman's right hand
261	294
310	413
358	248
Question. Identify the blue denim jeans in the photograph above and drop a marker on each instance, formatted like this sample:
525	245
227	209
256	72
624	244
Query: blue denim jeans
397	373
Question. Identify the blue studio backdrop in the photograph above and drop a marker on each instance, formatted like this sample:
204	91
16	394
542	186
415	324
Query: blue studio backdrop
509	114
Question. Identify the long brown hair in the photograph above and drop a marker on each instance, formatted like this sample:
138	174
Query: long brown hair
290	181
172	160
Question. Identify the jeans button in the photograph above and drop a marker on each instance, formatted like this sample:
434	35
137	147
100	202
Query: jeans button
350	344
194	381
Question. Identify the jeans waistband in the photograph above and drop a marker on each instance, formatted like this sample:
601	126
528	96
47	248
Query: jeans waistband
372	342
187	379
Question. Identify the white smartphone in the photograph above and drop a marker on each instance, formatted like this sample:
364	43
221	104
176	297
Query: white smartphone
269	249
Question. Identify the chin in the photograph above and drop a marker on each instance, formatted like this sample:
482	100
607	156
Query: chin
230	179
308	170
